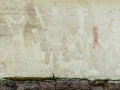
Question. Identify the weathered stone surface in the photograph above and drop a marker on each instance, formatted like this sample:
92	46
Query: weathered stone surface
61	38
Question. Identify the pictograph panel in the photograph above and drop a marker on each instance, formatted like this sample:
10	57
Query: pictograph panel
67	38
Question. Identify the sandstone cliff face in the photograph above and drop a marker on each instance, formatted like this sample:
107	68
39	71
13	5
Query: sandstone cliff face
64	38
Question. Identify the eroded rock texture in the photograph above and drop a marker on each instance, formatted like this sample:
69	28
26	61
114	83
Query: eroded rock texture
67	38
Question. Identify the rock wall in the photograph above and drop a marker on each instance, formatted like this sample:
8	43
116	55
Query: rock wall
61	38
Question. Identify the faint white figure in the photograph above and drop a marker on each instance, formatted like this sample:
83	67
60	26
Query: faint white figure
16	25
83	39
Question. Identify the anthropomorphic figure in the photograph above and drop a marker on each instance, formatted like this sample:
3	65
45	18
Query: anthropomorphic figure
83	39
54	33
16	23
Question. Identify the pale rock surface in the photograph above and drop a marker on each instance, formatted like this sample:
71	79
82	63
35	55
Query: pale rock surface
67	38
